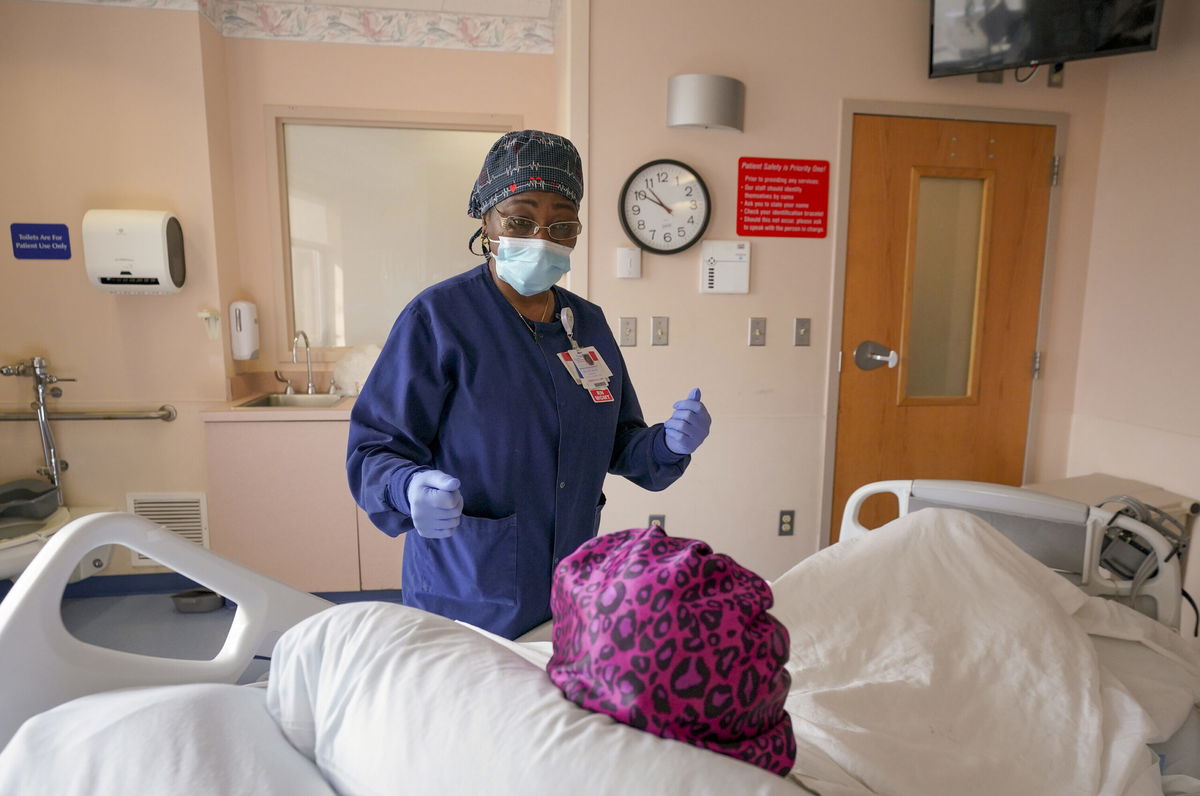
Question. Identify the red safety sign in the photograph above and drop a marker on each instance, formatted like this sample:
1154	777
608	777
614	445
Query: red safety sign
782	198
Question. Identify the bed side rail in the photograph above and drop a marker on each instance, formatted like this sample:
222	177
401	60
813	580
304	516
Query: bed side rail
1066	535
42	665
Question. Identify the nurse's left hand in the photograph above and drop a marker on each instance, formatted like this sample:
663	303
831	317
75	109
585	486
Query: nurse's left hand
688	425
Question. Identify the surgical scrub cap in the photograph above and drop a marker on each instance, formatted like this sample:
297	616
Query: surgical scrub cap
661	633
527	160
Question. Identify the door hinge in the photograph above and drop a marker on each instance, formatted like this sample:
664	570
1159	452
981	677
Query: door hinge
1055	171
1037	365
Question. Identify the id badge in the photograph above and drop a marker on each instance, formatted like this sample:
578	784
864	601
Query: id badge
569	364
590	364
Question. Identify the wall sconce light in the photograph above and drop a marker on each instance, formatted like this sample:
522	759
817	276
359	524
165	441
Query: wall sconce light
705	102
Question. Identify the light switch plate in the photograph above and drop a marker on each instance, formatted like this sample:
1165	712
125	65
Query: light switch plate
758	331
629	331
629	262
803	331
660	330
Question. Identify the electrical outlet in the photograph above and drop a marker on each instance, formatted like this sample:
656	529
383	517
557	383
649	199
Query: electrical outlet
758	331
629	331
657	521
787	522
803	331
1055	78
661	330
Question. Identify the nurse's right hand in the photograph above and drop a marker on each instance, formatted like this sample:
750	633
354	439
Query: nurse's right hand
436	503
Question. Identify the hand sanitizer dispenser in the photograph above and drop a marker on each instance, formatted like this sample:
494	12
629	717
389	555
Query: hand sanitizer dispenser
243	329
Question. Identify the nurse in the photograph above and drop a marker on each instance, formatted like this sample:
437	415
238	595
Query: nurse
500	402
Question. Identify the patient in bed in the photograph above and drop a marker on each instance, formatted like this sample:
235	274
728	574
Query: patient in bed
664	635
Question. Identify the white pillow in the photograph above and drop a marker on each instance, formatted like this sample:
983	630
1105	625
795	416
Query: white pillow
391	699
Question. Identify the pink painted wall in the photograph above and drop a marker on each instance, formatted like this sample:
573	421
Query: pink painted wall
800	61
123	107
104	108
368	78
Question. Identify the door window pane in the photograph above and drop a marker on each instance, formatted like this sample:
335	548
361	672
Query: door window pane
945	287
375	215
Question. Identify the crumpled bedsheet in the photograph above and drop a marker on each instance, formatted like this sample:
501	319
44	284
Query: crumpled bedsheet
933	656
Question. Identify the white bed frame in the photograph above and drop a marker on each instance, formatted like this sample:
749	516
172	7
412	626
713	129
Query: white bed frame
42	665
1063	534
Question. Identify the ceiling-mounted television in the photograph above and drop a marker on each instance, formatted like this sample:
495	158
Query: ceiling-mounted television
987	35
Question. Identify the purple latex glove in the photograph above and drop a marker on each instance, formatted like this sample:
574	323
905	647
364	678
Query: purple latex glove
436	503
688	425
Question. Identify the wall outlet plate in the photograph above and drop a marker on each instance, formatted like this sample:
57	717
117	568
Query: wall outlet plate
758	332
787	522
660	330
628	331
803	334
657	521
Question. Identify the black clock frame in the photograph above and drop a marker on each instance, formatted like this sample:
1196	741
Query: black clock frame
625	221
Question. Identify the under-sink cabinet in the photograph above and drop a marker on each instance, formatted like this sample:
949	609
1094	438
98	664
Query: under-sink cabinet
278	503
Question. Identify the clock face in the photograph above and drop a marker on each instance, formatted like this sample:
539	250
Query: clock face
664	206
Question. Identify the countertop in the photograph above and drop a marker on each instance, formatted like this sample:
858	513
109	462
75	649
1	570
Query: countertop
232	412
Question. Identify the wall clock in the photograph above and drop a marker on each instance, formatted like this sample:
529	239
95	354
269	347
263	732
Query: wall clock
664	206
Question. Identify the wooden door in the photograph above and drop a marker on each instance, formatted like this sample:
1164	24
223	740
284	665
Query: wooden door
946	238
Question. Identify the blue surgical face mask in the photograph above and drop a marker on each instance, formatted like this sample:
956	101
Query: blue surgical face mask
530	265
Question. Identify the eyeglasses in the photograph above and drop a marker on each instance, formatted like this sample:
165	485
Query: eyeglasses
520	227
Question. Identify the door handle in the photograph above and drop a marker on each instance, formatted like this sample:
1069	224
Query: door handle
870	355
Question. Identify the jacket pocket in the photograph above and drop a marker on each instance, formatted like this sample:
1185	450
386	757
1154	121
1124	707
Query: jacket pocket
478	563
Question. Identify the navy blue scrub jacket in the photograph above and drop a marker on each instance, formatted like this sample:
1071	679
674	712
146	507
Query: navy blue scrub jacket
464	387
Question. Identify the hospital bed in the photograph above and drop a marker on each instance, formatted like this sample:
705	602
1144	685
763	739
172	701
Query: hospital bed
929	648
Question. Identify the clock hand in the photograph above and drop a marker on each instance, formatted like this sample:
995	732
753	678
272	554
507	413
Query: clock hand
659	202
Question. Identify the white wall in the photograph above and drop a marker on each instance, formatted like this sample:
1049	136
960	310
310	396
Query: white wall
800	62
1137	397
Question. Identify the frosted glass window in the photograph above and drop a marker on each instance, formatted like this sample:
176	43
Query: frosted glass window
945	287
375	215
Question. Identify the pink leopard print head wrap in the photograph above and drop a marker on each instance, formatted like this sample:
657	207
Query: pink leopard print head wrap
664	635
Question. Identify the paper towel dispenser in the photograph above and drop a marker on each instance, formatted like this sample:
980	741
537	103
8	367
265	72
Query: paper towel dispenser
133	251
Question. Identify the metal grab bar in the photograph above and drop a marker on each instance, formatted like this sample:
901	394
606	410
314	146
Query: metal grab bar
166	413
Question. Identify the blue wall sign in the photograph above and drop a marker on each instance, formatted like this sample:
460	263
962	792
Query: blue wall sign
41	241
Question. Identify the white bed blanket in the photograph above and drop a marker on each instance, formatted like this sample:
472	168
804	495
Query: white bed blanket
933	656
190	740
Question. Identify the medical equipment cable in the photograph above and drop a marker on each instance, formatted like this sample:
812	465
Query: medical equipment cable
1156	519
1017	74
1195	610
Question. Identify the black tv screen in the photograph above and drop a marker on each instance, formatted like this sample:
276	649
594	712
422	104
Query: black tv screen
987	35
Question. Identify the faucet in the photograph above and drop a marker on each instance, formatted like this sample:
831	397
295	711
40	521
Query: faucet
310	389
288	390
38	369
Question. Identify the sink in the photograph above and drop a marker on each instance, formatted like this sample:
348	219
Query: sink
297	400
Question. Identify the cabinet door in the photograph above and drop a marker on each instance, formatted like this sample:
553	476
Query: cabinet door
279	503
379	555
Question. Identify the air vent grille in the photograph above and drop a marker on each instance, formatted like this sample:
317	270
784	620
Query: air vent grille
184	514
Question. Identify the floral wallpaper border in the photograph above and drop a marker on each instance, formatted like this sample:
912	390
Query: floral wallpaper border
349	25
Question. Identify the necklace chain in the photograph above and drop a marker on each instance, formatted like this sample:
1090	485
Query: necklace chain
545	312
